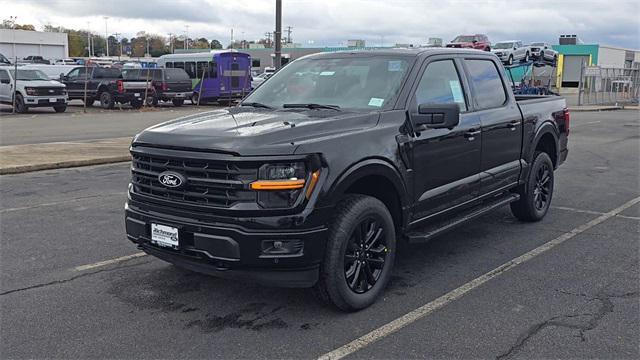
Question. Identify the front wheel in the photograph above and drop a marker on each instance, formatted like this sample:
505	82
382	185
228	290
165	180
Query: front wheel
526	57
510	60
136	104
21	107
106	100
536	193
359	254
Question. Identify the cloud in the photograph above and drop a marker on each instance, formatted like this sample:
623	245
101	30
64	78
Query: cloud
332	22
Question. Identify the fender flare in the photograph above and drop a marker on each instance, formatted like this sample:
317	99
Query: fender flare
547	127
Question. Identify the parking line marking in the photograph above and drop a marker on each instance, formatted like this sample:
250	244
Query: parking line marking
108	262
592	212
424	310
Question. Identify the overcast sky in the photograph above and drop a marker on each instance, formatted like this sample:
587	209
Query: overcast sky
332	22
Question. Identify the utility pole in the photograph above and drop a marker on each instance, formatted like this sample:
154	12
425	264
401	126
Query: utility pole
88	40
186	38
106	34
268	36
278	35
171	42
117	36
289	34
231	44
147	38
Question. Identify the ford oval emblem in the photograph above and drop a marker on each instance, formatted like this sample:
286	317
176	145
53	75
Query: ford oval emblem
172	179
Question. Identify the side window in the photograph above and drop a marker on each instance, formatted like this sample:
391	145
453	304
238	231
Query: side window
487	85
4	75
179	65
255	62
440	84
190	68
74	73
213	69
168	65
201	70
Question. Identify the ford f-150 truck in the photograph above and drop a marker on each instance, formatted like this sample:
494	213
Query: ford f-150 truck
315	178
33	88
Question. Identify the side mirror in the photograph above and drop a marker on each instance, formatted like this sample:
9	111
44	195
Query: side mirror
474	41
5	81
436	116
63	76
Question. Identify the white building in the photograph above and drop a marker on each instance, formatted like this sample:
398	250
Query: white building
23	43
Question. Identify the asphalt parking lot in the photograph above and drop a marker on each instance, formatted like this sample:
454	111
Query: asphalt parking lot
73	286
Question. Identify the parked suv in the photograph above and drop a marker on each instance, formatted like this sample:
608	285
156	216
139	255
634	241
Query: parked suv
477	41
35	59
318	174
169	84
543	51
33	89
511	50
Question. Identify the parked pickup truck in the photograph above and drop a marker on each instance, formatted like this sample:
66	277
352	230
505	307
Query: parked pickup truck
511	50
168	84
314	179
33	88
477	41
543	51
105	85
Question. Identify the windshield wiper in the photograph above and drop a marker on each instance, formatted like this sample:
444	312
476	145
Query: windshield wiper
256	104
311	106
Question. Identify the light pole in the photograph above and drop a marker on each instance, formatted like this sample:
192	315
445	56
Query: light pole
186	38
89	38
171	42
106	34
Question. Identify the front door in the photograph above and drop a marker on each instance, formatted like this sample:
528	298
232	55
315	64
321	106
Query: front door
75	82
501	126
5	86
446	161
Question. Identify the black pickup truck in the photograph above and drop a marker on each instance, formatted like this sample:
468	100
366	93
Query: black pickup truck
315	178
105	85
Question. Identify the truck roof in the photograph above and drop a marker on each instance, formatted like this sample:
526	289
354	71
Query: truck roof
402	52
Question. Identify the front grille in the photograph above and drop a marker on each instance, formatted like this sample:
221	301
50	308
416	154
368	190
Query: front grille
45	91
215	183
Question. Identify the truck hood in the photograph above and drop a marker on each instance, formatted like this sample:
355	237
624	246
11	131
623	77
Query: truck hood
43	83
250	131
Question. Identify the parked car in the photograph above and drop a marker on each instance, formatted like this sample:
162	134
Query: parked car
33	88
543	51
259	79
171	84
318	174
477	41
52	71
65	62
35	59
105	85
511	50
4	60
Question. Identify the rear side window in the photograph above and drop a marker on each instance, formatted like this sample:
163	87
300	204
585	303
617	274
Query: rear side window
176	74
488	87
4	75
440	84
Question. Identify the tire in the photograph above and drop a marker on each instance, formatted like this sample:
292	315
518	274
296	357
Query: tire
177	102
60	108
510	60
354	287
152	101
536	193
136	104
21	107
106	100
90	101
194	98
526	57
487	49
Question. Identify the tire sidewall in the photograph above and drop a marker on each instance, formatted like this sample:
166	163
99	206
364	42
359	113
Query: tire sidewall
20	105
540	159
339	238
106	100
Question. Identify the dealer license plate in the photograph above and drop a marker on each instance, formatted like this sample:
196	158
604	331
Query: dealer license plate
136	94
53	100
163	235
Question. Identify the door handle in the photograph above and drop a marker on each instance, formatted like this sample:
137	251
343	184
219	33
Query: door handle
513	124
471	134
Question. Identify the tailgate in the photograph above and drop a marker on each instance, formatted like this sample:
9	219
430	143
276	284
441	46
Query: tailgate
179	86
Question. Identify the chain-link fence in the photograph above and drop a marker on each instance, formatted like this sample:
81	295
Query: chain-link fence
608	86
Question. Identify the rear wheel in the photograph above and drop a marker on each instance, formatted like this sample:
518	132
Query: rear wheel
177	102
106	100
21	107
510	60
136	104
359	254
536	193
60	108
526	57
194	98
89	101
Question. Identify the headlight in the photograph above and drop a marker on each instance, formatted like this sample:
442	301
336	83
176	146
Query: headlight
30	90
280	185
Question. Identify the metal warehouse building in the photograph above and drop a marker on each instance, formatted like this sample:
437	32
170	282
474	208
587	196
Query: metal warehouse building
572	54
23	43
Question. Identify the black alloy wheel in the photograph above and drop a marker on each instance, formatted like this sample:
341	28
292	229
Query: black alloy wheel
542	188
365	256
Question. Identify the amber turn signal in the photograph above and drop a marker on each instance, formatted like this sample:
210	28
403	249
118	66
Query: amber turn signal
277	184
312	183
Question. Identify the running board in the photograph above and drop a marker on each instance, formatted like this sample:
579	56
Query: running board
430	231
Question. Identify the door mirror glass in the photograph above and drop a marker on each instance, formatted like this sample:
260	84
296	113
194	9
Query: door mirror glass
436	116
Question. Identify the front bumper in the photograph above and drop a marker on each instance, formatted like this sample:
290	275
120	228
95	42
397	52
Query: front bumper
233	248
45	101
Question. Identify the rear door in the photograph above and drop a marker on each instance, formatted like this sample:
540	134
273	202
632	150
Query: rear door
446	161
501	124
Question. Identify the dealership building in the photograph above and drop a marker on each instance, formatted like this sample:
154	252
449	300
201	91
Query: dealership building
23	43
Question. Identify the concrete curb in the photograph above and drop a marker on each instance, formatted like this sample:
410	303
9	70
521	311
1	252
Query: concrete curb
594	108
62	165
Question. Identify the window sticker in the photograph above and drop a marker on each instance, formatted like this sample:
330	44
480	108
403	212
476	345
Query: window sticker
394	65
327	73
377	102
456	90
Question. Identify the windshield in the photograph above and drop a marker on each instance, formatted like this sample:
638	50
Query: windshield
30	75
464	39
4	60
350	82
537	44
503	45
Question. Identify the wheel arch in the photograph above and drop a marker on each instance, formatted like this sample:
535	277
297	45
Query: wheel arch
378	178
546	139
